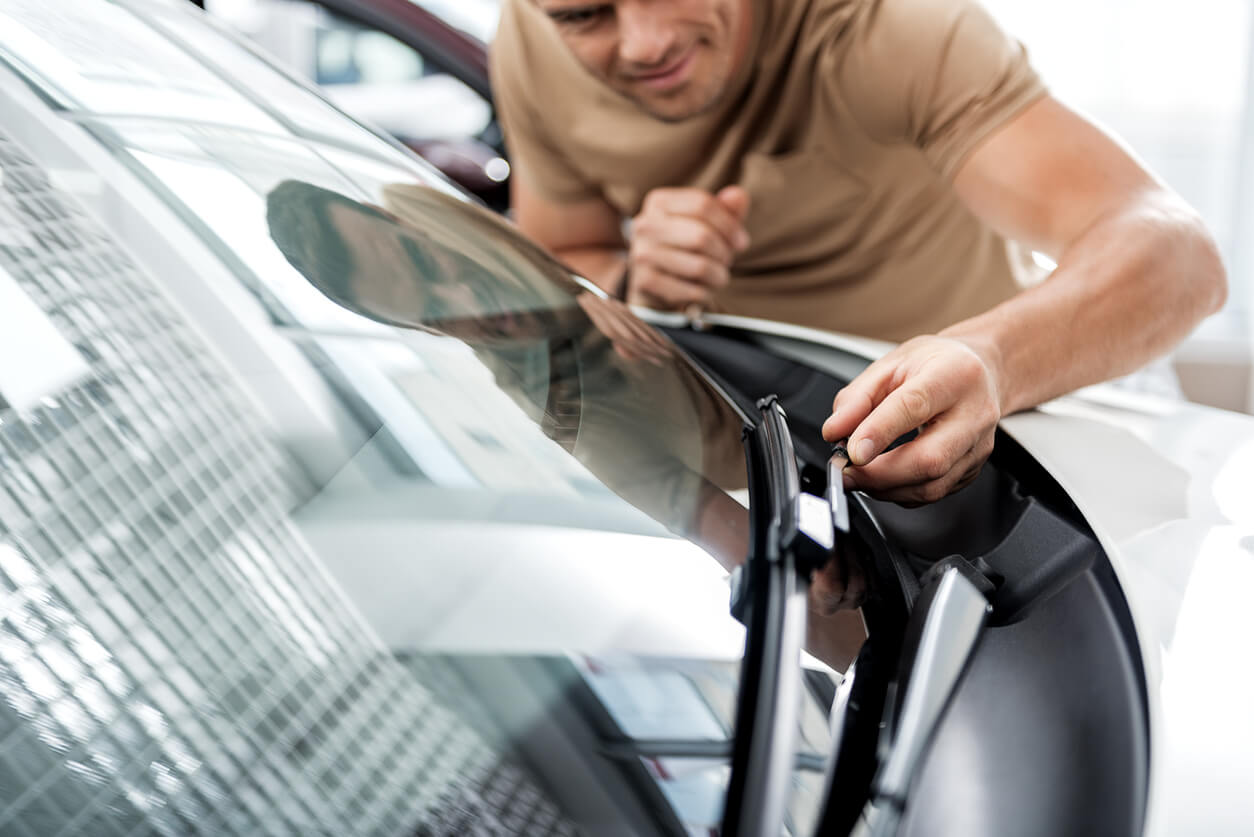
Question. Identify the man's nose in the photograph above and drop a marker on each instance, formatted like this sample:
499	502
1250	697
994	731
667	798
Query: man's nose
644	36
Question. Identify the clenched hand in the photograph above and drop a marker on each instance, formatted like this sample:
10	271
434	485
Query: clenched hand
942	386
682	246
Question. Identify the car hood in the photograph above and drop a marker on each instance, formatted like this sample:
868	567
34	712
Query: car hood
1167	488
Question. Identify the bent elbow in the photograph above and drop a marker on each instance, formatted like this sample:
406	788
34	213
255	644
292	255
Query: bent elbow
1197	262
1209	274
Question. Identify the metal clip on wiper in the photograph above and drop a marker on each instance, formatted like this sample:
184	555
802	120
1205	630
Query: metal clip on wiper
836	497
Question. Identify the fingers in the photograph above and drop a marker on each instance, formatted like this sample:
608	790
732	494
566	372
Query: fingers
683	244
939	386
854	403
906	408
680	232
736	199
944	458
675	279
699	205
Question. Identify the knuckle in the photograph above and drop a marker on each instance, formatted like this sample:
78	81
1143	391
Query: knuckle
695	293
933	491
968	367
691	267
932	465
642	229
716	274
657	200
916	404
644	279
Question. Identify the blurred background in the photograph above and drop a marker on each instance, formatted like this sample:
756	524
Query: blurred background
1178	88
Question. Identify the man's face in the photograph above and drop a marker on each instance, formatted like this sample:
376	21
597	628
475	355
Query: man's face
674	58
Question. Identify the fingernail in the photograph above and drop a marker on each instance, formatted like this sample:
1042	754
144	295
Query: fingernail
862	451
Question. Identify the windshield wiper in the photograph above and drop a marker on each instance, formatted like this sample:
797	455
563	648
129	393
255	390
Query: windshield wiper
789	538
792	535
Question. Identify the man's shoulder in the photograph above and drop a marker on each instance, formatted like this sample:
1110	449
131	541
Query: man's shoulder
523	36
528	59
868	23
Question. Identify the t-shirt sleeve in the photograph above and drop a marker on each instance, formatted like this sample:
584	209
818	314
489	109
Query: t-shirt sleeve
940	74
516	78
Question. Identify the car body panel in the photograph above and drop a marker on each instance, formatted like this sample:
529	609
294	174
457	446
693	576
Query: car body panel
1178	526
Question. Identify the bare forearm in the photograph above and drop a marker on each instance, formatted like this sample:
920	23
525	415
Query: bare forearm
1125	291
1136	272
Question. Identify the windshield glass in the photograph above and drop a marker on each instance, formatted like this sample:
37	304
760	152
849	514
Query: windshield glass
597	382
329	504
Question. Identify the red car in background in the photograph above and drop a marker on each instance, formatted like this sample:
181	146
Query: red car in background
419	72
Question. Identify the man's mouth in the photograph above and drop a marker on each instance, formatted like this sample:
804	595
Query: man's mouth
668	76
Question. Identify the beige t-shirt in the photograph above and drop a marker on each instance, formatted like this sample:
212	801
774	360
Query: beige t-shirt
845	127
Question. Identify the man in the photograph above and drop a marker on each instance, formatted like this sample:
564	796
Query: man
857	165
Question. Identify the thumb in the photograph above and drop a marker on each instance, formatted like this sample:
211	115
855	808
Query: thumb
736	199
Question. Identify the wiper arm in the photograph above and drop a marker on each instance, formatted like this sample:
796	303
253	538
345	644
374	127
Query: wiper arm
947	623
788	540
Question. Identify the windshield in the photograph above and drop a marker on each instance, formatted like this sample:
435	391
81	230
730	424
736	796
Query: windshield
330	506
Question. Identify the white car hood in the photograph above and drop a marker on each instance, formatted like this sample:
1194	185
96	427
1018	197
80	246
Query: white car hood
1168	487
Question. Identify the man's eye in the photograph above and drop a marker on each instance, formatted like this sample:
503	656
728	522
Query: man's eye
582	16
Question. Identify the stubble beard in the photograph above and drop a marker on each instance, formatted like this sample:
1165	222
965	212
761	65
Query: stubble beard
708	99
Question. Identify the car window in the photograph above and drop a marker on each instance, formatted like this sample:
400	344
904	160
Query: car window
394	84
368	72
351	55
373	75
477	18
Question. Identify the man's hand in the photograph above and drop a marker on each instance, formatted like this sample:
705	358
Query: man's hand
683	243
940	385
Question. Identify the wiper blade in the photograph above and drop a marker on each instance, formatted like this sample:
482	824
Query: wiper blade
769	595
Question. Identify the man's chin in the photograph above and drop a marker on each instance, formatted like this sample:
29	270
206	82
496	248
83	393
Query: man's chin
675	110
679	106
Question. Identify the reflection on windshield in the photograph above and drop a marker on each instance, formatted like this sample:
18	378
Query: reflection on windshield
99	57
609	390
